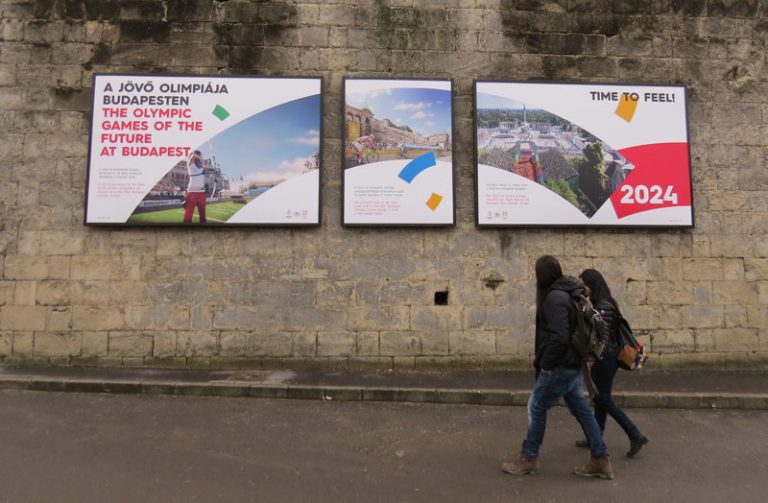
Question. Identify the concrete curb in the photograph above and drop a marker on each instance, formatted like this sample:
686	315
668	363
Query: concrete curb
234	389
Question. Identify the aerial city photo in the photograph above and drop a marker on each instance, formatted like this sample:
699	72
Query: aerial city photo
549	150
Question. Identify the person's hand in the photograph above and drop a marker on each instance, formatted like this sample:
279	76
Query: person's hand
546	371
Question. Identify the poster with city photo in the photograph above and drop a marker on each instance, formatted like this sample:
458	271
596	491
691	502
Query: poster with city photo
204	150
555	154
398	155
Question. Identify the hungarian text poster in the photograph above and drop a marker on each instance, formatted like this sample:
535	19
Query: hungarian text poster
582	154
398	154
200	150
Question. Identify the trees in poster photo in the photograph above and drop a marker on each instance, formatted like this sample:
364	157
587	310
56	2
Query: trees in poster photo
550	151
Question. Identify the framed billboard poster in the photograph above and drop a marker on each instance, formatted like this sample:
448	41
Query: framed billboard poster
204	151
398	152
552	154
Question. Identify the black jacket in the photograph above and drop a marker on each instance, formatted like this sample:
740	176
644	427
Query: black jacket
610	316
554	328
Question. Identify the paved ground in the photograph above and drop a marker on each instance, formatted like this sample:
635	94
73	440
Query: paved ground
74	447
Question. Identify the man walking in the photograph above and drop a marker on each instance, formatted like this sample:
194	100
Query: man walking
558	374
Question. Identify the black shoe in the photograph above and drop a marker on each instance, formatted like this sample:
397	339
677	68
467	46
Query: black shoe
635	444
582	444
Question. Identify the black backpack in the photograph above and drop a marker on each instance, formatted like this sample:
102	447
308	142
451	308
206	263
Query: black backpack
590	331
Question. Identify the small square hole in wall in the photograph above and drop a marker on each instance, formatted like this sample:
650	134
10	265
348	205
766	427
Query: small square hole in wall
441	298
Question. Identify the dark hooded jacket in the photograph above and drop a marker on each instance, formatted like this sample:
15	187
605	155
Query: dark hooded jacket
610	315
553	328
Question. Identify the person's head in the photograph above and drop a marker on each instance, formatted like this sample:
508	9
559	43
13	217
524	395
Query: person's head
597	287
548	270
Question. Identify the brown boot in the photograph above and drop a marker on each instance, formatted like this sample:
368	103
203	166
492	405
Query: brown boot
597	467
523	465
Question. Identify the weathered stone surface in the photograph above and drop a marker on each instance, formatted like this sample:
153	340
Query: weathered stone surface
22	317
335	343
340	296
472	342
130	344
58	344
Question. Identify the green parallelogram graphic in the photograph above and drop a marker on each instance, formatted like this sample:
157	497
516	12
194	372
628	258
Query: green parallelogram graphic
220	112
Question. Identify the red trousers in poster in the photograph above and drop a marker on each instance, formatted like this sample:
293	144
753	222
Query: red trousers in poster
194	199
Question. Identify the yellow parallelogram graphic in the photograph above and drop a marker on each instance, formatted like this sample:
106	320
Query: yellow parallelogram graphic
627	107
434	201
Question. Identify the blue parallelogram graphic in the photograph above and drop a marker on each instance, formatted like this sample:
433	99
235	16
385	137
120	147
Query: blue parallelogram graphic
416	166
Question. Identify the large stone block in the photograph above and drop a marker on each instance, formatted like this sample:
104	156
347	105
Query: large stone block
59	319
703	316
271	343
472	342
414	343
736	317
164	344
6	343
642	317
757	316
501	318
156	317
735	292
700	269
22	317
367	344
22	267
378	318
518	341
104	268
305	344
672	341
728	339
130	344
7	292
246	318
435	318
756	269
670	292
94	344
232	344
26	293
197	344
335	343
58	344
97	318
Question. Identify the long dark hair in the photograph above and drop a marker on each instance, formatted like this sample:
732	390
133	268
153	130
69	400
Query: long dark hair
548	270
598	287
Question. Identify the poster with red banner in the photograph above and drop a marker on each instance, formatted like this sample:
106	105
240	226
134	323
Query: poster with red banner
204	151
555	154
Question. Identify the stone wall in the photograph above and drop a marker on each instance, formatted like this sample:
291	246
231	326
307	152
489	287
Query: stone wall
71	294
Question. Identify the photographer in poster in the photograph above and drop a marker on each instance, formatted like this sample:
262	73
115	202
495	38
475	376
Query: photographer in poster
196	188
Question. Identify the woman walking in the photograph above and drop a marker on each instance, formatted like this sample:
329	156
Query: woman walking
604	370
558	374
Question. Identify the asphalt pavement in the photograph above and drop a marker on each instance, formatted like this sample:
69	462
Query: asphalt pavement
116	448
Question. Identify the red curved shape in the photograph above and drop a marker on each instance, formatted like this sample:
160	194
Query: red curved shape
663	165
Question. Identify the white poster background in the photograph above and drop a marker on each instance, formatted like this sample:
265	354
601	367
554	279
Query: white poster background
409	199
653	122
245	97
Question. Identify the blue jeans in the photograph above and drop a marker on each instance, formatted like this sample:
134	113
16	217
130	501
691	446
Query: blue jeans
567	384
603	372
